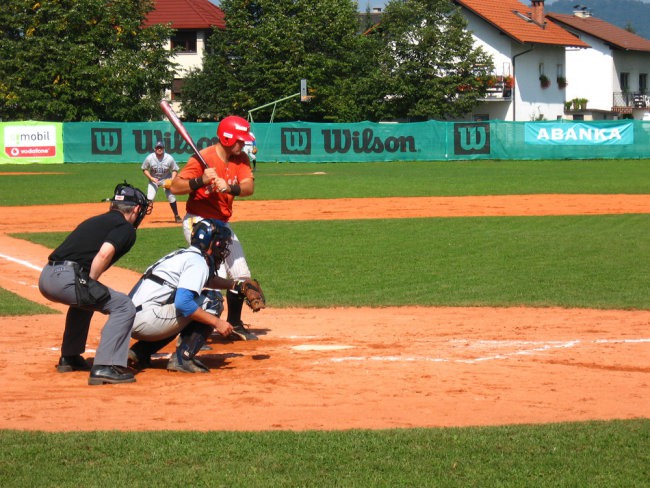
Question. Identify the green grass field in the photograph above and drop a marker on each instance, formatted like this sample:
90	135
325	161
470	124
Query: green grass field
571	261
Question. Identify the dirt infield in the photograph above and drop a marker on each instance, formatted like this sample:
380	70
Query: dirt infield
339	368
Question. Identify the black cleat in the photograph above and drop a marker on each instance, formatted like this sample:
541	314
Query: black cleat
72	363
101	374
241	333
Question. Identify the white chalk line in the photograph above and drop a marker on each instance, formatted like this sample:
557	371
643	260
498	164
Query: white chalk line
544	347
21	262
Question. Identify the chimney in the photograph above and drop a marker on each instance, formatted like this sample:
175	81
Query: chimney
538	11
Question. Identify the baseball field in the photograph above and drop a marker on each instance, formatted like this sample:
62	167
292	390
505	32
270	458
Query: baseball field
433	324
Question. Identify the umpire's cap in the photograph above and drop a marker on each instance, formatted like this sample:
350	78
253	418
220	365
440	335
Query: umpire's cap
126	194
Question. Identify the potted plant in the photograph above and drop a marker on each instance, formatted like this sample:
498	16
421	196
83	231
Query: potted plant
561	82
583	103
567	106
544	81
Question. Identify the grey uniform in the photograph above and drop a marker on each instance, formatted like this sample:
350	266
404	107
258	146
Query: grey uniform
157	316
161	169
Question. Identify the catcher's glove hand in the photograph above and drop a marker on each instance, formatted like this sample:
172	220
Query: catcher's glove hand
252	292
167	183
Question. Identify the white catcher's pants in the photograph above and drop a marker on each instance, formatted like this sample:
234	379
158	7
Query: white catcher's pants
235	267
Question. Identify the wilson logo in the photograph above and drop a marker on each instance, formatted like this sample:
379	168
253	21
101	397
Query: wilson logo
344	141
472	138
295	141
144	141
106	141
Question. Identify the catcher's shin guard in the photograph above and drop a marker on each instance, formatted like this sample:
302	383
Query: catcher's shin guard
193	337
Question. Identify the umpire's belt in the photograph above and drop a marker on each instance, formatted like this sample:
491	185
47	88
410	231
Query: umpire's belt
62	263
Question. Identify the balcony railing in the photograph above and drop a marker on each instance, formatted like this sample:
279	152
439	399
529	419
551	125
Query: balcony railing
499	90
630	100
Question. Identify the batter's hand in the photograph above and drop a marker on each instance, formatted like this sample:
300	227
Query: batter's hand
220	185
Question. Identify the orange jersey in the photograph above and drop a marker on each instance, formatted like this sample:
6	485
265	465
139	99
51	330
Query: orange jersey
207	202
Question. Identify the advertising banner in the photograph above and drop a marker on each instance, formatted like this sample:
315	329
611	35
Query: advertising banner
580	134
130	142
29	142
307	142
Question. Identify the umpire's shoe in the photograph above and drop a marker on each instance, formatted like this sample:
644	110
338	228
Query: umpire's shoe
72	363
241	333
186	365
101	374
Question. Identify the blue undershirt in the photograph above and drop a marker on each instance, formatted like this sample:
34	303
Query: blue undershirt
184	301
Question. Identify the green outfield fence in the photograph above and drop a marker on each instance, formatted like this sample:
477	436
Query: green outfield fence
112	142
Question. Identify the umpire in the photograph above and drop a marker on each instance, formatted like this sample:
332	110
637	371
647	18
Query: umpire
71	275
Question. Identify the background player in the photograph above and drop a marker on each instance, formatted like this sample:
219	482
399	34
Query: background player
212	191
160	168
250	148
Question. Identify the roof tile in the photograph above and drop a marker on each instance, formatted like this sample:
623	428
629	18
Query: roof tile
514	19
604	31
186	14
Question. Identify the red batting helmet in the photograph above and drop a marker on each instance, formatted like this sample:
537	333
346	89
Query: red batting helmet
233	129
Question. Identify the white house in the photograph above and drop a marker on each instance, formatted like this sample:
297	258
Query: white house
527	50
193	21
612	74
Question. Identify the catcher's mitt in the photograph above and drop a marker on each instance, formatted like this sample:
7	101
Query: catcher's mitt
252	292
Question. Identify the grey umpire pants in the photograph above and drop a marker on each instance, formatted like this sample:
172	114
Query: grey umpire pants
57	283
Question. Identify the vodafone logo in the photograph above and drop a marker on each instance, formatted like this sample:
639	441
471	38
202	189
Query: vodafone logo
31	152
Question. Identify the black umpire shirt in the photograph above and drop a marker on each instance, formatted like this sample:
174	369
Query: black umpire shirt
83	243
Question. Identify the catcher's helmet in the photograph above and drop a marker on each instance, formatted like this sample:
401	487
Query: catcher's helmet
211	237
233	129
126	194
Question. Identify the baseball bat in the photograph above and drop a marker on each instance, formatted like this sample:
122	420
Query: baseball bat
180	128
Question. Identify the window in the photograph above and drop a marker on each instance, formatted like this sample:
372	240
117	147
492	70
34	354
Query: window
177	88
184	41
643	82
625	81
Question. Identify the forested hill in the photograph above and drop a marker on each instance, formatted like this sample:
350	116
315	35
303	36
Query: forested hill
626	14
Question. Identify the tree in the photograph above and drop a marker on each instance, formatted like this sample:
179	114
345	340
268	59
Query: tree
429	65
81	60
267	47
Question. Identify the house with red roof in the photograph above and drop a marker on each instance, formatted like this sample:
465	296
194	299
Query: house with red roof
193	21
529	57
612	75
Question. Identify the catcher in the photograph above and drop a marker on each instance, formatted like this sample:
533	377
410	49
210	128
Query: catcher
171	299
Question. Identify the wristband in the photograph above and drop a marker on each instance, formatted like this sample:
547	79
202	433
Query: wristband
196	183
235	189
